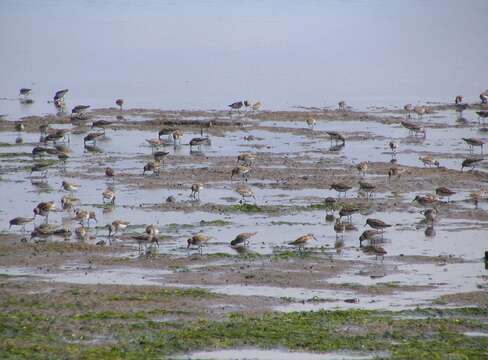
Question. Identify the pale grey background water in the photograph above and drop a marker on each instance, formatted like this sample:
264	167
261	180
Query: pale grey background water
207	54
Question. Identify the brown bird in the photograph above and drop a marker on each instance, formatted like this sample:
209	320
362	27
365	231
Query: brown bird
395	171
341	188
408	109
342	105
119	103
20	221
413	128
428	160
369	235
302	241
445	192
362	167
240	170
92	137
426	200
348	211
245	192
108	195
339	228
335	136
151	166
116	226
195	190
368	188
377	224
472	142
109	172
242	239
470	162
430	215
198	240
44	208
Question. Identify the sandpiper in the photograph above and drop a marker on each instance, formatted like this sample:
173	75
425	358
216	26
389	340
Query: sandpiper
393	147
119	103
41	168
342	105
79	109
58	98
19	126
395	171
245	192
199	142
470	162
476	196
84	216
116	226
368	188
335	136
362	167
81	232
195	190
377	224
419	110
472	142
101	124
24	92
67	202
242	239
20	221
144	239
339	228
484	97
240	170
155	143
430	231
152	166
426	200
341	188
236	106
301	241
44	208
256	106
197	240
246	158
109	172
330	204
160	155
429	161
39	150
108	195
408	110
177	135
369	235
445	192
413	128
67	186
311	122
430	215
166	132
348	211
458	99
92	137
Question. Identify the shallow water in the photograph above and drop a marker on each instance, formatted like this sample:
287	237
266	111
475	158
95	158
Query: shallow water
153	55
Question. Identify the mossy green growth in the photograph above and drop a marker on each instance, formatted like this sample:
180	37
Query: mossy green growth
247	208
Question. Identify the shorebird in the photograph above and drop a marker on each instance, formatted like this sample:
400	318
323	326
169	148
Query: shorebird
246	158
177	135
245	192
339	228
430	231
476	196
335	136
160	155
116	226
246	104
242	239
348	211
92	137
408	109
256	106
413	128
483	114
199	142
144	239
81	232
20	221
369	235
195	190
67	202
24	92
341	188
60	94
429	161
39	150
419	110
362	167
301	241
430	215
40	167
69	186
377	224
470	162
19	126
101	124
108	195
84	216
240	170
368	188
342	105
109	172
55	135
379	251
311	122
119	103
166	132
79	109
460	108
151	166
44	208
236	106
445	192
472	142
426	200
197	240
155	143
458	99
484	97
330	204
393	147
395	171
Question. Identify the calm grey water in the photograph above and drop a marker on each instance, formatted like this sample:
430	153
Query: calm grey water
207	54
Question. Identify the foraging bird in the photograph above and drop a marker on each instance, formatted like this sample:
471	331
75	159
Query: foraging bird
197	240
44	208
80	109
20	221
301	241
109	172
369	235
242	239
195	190
240	170
69	186
160	155
348	211
419	110
368	188
144	239
256	106
430	215
428	160
151	166
116	226
101	124
426	200
408	109
108	195
458	99
177	135
342	105
119	103
476	196
166	132
81	232
341	188
413	128
445	192
24	92
246	158
395	171
19	126
245	192
430	231
60	94
85	216
311	122
40	167
330	203
472	142
339	228
236	106
393	147
377	224
92	137
67	202
199	142
470	162
335	136
362	167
